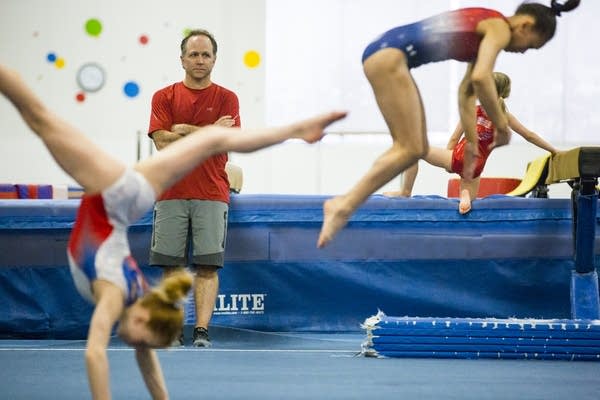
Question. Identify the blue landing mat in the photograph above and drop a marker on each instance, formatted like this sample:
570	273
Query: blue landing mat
387	336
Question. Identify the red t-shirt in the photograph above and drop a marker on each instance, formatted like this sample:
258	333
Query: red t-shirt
178	104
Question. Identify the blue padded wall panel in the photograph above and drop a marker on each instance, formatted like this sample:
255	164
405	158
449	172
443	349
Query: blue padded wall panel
509	257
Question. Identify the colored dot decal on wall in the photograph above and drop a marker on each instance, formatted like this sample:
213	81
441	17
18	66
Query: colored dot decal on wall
144	39
93	27
51	57
59	63
131	89
251	59
80	97
187	31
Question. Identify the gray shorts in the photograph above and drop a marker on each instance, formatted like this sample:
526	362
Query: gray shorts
176	223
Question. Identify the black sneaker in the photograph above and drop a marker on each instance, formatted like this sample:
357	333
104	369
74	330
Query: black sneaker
178	342
200	338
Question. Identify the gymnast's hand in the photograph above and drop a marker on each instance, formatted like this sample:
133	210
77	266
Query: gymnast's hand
501	137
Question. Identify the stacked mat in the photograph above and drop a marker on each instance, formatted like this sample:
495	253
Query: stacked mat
32	191
545	339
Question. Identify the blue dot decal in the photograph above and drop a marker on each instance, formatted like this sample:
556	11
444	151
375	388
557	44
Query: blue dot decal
131	89
51	57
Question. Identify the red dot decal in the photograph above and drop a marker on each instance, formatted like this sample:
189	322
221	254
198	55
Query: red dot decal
80	97
144	39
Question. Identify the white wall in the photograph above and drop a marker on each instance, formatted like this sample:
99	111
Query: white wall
311	62
30	29
317	66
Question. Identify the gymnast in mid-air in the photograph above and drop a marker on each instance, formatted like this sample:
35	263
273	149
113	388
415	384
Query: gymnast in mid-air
472	35
115	196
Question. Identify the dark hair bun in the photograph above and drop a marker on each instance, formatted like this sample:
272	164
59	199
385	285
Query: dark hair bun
558	7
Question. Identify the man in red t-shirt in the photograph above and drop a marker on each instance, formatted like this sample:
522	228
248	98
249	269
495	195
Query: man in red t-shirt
195	208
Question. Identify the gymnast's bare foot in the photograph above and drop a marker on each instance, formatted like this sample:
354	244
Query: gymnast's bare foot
397	193
335	217
465	202
312	129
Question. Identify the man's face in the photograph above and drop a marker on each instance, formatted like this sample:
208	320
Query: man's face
199	58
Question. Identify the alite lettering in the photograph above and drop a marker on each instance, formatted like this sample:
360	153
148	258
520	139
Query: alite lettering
240	303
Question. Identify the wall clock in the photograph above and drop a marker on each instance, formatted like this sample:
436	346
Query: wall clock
91	77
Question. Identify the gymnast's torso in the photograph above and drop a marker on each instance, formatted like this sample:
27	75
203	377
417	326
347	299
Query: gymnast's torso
450	35
485	137
98	247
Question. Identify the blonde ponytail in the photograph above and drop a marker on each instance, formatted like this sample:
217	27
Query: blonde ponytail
174	287
165	303
503	86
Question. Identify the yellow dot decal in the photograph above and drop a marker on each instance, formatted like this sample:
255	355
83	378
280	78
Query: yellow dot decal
59	63
251	59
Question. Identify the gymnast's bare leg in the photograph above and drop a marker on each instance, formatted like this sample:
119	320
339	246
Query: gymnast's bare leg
400	103
78	156
436	156
408	182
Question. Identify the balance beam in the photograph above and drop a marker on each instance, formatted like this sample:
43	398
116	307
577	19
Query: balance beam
581	163
580	168
578	164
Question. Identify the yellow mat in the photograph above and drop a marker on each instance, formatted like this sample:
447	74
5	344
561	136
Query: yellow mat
534	172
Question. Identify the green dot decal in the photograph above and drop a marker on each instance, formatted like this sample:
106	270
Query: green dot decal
93	27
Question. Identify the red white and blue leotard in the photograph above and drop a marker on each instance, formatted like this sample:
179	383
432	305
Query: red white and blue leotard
450	35
485	137
98	247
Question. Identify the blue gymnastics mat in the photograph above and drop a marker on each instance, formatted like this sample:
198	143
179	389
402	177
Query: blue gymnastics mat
512	338
411	256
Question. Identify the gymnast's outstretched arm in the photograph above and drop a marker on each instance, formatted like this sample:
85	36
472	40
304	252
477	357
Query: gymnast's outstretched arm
529	135
108	309
174	161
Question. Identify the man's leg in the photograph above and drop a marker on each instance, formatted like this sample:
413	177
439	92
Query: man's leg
206	288
209	231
